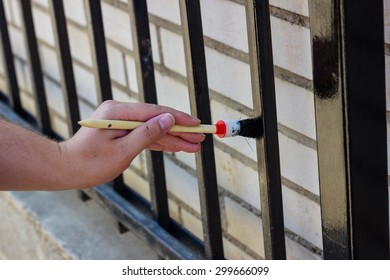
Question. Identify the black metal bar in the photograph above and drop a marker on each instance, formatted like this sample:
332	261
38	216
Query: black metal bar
263	91
350	102
66	68
8	56
138	12
98	51
200	106
100	61
43	117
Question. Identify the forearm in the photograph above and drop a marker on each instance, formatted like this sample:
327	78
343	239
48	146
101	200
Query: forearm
91	157
29	161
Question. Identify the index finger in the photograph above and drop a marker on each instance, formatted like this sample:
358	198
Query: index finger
141	112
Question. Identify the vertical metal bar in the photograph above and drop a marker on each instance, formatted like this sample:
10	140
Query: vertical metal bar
43	117
100	60
139	20
65	60
263	91
200	106
8	56
98	51
350	102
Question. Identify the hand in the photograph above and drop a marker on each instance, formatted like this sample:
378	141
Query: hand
96	156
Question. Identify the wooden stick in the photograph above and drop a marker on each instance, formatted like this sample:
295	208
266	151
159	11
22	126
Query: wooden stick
128	125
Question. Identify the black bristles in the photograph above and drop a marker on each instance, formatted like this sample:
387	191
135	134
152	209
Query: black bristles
252	128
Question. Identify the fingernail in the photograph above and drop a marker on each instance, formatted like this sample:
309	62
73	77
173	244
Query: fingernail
166	121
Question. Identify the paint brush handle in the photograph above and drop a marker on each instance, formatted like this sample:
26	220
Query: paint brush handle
129	125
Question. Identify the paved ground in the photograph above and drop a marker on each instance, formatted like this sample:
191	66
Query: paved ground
57	225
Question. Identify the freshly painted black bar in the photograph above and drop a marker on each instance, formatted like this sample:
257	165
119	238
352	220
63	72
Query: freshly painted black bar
43	117
200	107
350	103
263	92
8	56
139	19
65	61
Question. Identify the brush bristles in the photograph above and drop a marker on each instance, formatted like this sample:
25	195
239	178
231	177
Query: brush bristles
252	128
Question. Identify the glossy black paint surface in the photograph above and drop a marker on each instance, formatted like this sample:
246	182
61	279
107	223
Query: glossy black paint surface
349	87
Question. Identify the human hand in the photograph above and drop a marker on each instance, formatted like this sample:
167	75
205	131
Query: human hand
98	156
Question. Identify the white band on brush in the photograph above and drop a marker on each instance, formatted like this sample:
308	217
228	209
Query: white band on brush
232	127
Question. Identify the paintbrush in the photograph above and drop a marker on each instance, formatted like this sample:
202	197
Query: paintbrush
252	128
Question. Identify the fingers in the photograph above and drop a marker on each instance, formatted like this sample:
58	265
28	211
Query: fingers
141	112
152	134
171	143
147	134
190	137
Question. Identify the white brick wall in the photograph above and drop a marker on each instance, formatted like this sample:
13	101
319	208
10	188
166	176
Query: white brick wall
298	163
43	27
172	93
55	97
131	73
44	3
228	25
12	9
229	77
173	50
80	46
85	84
17	41
2	66
295	107
154	41
116	65
182	184
237	178
244	226
296	6
75	11
159	8
302	216
50	62
117	26
291	47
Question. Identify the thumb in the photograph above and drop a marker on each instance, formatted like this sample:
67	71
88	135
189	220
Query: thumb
148	133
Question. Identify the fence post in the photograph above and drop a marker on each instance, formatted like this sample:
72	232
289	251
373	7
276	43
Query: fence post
350	102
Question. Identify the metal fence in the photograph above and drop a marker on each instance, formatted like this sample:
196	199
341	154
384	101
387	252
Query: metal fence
350	103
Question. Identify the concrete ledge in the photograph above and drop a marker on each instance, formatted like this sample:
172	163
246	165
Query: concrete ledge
57	225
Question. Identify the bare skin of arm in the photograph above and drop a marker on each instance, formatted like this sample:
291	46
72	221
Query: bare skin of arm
29	161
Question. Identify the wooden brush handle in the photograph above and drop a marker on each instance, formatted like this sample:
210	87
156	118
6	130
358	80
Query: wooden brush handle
128	125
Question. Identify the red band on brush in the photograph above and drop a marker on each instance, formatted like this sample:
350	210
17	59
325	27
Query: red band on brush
221	128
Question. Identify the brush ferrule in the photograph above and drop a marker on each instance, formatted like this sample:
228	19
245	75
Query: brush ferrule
228	128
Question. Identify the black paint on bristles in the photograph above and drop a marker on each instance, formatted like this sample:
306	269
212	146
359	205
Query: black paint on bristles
252	128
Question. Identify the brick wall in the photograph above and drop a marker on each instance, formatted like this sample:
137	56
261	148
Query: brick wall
227	58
